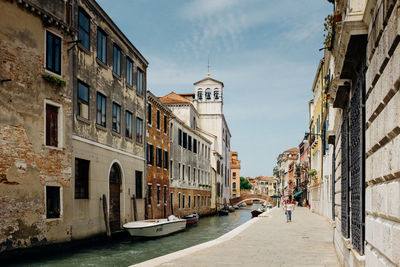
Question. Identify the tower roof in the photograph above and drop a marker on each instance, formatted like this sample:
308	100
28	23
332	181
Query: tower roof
173	98
211	79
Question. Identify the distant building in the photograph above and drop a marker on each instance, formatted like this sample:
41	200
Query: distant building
190	172
235	174
157	158
209	105
203	112
286	163
265	186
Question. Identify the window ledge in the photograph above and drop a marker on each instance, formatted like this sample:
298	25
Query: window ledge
54	147
82	119
101	63
116	134
83	49
53	219
116	76
98	126
128	139
53	73
129	86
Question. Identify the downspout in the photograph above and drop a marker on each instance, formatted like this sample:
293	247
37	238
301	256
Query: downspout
320	122
145	149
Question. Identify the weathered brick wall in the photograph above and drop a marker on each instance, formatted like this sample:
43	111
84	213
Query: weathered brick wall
26	164
155	175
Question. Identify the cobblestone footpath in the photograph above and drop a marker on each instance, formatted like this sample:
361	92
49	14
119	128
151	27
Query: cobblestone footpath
268	241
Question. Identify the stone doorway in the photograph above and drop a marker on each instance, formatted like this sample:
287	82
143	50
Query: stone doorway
115	181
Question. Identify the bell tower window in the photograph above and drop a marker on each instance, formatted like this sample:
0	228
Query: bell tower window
200	95
208	94
216	94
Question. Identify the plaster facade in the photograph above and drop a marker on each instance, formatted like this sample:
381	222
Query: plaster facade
235	174
35	156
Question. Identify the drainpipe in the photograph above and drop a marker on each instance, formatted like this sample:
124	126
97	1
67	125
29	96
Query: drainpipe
145	149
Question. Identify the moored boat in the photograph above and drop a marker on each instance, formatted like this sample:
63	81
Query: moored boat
255	213
155	227
231	209
191	219
236	207
223	212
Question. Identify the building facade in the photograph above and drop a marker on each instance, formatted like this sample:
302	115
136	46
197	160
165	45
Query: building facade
157	158
70	159
109	111
35	125
190	172
286	163
235	174
362	99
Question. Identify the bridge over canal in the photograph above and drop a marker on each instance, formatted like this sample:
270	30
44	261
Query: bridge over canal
245	197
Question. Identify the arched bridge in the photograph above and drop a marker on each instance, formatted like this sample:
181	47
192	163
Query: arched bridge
246	197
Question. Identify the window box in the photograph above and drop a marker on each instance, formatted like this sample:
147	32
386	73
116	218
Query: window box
54	80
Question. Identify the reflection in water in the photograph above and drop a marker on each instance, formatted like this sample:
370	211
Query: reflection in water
129	251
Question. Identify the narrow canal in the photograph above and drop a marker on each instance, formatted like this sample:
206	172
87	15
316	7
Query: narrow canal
127	251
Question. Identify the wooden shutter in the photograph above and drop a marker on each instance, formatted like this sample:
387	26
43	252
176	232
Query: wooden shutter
51	125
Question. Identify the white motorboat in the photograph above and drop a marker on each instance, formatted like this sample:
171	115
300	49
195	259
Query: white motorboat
155	227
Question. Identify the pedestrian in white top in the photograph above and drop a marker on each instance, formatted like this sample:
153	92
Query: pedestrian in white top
289	208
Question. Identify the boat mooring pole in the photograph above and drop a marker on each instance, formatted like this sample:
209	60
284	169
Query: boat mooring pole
106	219
134	208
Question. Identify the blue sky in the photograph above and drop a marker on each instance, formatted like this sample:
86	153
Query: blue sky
264	51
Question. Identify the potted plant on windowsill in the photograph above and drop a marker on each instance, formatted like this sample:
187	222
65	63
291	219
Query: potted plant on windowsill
54	80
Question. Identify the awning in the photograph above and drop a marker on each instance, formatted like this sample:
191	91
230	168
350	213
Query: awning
298	193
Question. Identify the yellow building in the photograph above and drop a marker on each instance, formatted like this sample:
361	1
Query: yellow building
316	112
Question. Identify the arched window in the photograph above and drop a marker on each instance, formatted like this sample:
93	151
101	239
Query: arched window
200	94
234	185
218	167
216	94
208	94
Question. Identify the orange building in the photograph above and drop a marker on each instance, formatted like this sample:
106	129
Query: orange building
157	158
235	174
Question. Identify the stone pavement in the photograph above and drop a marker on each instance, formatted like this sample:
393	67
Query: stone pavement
264	241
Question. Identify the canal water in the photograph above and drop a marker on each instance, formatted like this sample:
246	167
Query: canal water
128	251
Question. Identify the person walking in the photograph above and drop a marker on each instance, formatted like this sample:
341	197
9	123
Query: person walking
289	208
